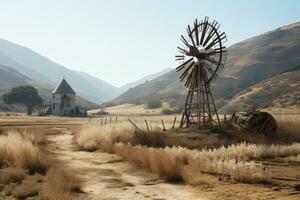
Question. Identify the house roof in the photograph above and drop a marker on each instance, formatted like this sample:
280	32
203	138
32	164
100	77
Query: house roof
63	88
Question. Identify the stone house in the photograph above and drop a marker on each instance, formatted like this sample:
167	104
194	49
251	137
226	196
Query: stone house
63	99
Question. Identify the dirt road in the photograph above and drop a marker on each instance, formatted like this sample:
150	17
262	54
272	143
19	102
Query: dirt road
108	177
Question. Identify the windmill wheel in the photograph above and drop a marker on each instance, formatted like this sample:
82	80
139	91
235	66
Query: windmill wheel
202	46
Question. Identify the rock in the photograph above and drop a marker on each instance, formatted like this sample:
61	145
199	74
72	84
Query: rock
255	122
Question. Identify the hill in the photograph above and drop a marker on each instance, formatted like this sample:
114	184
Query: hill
144	79
248	63
42	69
11	78
280	91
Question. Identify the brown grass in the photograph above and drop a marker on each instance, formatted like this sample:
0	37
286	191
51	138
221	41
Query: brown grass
173	163
289	128
12	175
20	158
60	184
17	151
176	163
28	188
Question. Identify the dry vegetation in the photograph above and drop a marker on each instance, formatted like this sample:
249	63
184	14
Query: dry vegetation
149	150
18	151
289	127
26	171
60	184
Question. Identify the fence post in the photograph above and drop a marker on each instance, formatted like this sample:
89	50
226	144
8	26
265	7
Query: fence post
164	128
147	126
174	123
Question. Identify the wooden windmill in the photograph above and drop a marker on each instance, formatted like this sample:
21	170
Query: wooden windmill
202	55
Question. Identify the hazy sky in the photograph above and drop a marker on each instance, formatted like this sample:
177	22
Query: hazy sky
120	41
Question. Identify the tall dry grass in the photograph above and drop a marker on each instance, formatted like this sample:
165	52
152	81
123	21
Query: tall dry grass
61	184
289	127
177	163
17	151
91	138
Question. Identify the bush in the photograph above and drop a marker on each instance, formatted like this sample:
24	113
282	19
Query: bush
153	104
167	111
17	151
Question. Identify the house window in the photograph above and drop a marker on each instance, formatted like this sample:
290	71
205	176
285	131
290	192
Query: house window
53	106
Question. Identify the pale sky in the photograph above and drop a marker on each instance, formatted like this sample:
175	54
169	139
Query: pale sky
121	41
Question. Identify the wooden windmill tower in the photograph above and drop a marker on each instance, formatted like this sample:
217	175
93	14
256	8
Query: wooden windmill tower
202	55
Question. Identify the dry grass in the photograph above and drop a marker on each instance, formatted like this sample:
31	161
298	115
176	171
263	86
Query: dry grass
235	161
244	151
179	163
17	151
28	188
12	175
60	184
91	138
289	127
173	163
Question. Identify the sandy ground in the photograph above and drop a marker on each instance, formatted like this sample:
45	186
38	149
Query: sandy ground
108	177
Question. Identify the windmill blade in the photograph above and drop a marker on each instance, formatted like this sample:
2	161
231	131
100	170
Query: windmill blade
212	32
185	42
180	67
186	71
181	49
215	41
218	50
188	81
190	35
204	29
196	32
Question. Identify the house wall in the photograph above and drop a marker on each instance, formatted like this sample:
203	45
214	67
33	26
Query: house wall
63	104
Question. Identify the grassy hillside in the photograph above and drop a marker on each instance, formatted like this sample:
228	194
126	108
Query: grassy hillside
248	62
11	78
279	91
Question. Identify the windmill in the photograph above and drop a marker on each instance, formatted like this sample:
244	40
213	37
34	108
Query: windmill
202	55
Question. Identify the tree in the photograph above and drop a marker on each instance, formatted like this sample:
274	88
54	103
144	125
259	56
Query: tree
153	104
26	95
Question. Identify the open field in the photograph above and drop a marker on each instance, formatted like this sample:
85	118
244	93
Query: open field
107	161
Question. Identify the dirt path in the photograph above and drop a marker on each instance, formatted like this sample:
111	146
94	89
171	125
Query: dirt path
108	177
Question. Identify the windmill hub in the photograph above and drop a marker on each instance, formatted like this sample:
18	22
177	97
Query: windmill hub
202	55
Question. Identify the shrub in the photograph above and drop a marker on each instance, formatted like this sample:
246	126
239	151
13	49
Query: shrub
60	183
12	175
153	104
18	151
167	111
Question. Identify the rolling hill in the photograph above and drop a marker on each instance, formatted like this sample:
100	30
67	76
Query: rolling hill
248	62
280	91
11	78
42	69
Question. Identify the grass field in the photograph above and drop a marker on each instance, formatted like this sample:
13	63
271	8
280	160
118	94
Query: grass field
105	157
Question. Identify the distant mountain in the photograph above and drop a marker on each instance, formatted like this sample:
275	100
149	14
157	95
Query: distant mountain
249	62
143	80
42	69
10	78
